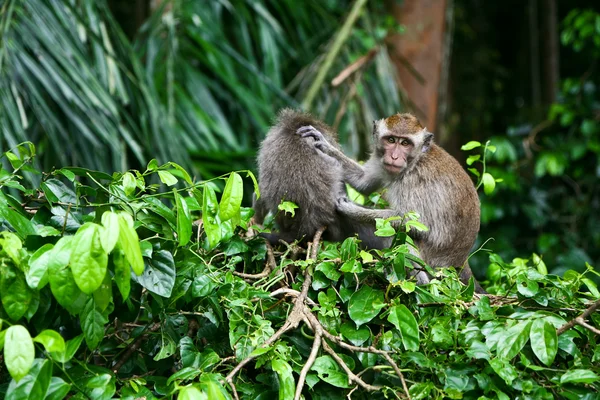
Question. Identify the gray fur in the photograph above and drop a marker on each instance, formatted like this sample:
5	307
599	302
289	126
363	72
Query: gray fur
291	169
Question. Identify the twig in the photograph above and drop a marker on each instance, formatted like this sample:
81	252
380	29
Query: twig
581	322
355	66
269	267
351	375
133	348
293	293
579	319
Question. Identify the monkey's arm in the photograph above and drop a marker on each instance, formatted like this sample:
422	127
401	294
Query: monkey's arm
368	215
365	180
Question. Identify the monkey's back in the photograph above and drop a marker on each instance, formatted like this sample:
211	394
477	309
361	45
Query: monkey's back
443	194
290	169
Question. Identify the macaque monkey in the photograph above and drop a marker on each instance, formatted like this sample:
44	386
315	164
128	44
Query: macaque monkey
291	169
417	175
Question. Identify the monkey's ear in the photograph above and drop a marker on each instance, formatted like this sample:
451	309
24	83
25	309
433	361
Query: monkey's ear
427	139
374	127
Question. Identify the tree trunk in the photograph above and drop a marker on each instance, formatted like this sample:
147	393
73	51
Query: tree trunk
418	55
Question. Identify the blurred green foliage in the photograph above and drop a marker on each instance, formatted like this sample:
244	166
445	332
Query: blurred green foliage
199	84
550	200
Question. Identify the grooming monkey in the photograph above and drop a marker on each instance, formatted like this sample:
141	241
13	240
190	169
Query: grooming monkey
290	169
418	176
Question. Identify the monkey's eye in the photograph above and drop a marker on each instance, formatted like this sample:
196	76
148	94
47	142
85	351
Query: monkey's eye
405	142
391	139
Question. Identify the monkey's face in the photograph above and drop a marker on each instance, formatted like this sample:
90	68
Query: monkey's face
400	144
396	152
394	148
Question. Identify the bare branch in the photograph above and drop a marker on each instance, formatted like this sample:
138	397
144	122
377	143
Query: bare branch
311	359
582	317
345	367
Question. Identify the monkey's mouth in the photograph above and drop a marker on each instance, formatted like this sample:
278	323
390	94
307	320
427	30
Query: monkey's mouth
395	169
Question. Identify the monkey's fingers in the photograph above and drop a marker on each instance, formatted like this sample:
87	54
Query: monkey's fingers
310	131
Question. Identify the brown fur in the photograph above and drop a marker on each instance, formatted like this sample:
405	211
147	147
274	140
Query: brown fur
430	182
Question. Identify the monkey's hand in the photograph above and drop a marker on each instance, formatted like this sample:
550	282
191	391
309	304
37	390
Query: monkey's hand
346	206
319	141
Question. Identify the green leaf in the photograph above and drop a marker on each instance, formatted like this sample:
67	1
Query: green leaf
504	369
471	159
128	183
191	393
352	266
51	340
329	269
287	385
71	347
512	341
99	386
539	264
470	145
62	283
122	272
474	171
356	336
544	341
579	376
110	234
416	225
128	239
16	294
406	323
184	220
92	324
58	389
288	207
37	273
152	165
527	287
159	274
103	295
21	225
182	172
33	386
88	259
18	351
384	228
365	256
232	197
167	178
329	371
349	249
489	184
209	216
255	183
365	304
56	191
209	383
11	245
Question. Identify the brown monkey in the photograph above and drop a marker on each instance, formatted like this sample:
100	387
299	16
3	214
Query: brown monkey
418	176
291	169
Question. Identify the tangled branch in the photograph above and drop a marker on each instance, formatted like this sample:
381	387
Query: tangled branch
302	313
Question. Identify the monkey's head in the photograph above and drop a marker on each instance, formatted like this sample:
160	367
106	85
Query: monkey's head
400	140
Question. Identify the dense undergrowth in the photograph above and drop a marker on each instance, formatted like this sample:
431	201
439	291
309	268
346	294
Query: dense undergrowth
149	285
